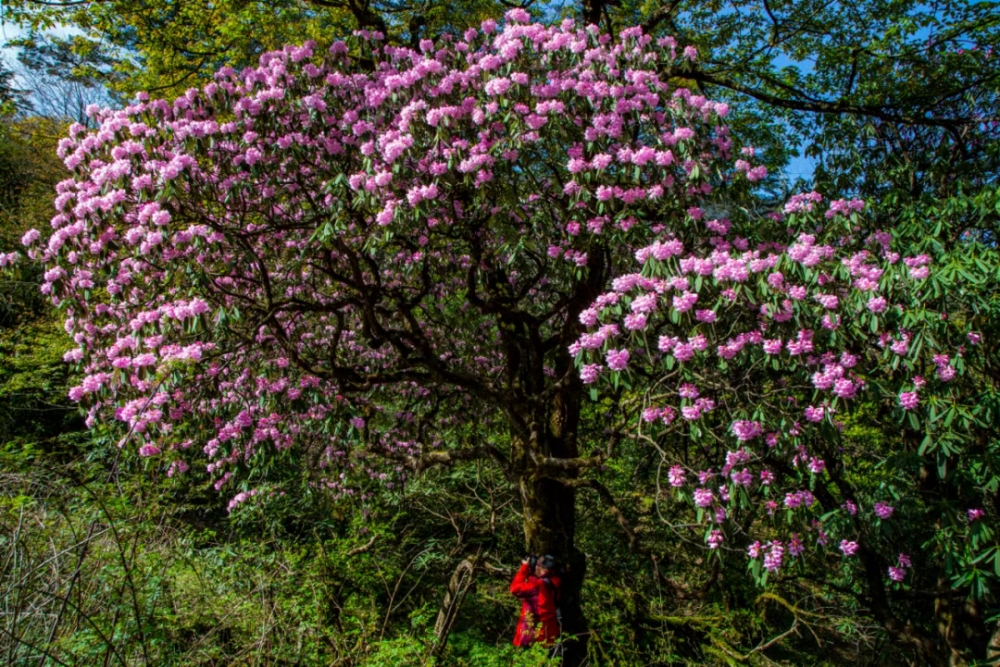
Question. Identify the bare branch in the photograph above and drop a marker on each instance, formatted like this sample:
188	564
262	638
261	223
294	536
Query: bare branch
363	548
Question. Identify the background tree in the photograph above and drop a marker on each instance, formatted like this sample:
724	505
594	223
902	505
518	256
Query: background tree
63	76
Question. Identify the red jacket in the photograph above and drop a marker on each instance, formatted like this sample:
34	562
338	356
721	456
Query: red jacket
539	621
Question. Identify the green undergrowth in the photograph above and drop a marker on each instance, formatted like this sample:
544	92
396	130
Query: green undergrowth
104	564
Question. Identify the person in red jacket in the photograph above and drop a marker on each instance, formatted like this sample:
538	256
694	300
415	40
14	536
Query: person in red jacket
538	589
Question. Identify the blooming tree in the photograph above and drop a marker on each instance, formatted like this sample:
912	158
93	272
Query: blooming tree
757	351
400	258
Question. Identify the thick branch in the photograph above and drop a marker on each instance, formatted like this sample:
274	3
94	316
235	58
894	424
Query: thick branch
448	457
549	465
835	107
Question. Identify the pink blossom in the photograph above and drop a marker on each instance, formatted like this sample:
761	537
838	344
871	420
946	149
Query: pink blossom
715	539
828	301
795	546
745	430
688	390
707	316
667	415
676	476
909	400
589	373
877	304
589	317
644	304
901	346
177	467
518	15
666	343
684	302
884	510
849	548
635	321
30	237
650	414
618	359
773	346
601	161
773	558
683	352
797	292
691	412
742	477
703	497
814	414
144	360
845	388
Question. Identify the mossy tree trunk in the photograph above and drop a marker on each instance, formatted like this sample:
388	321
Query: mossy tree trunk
544	467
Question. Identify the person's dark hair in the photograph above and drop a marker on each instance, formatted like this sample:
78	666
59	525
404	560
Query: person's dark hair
549	562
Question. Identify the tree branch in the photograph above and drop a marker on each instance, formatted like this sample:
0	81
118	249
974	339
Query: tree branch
363	548
449	457
836	107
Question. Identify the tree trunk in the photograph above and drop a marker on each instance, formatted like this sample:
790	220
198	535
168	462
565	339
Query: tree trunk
549	528
592	10
549	507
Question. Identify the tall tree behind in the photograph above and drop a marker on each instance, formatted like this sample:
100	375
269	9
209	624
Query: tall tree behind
165	47
62	76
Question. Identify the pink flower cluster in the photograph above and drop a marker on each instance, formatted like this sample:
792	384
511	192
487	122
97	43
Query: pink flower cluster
897	573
